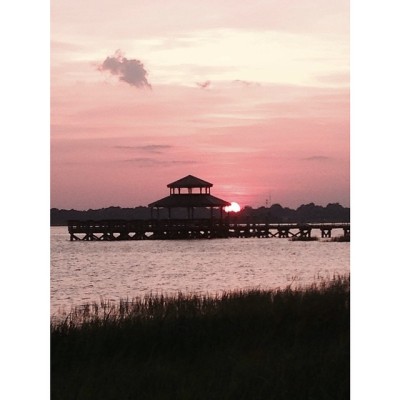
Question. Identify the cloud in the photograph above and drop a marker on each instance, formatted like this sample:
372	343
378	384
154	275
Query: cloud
152	162
150	148
129	71
203	85
316	158
246	83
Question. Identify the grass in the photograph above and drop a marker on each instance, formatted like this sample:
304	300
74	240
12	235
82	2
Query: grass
256	344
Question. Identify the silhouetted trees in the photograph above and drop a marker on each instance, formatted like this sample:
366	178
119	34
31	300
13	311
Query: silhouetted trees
333	212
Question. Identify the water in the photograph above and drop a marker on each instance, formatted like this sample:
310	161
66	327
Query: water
83	272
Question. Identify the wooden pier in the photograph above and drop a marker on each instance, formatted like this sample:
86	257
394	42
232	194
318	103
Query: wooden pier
169	229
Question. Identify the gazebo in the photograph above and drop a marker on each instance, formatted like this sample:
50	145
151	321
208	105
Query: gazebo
190	193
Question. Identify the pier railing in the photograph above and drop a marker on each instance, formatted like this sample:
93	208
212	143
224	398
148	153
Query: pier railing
195	229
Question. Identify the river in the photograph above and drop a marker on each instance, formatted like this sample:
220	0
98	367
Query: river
84	272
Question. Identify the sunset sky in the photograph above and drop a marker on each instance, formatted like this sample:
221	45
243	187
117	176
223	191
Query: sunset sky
253	97
273	119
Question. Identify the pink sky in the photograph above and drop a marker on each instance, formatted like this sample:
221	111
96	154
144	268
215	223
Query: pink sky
251	97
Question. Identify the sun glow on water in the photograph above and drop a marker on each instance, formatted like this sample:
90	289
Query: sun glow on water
234	207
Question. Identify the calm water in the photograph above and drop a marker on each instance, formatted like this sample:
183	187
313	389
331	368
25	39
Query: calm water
83	272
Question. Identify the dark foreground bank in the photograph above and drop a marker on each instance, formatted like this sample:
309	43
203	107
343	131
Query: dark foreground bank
286	344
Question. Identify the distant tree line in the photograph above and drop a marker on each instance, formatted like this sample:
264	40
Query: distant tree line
333	212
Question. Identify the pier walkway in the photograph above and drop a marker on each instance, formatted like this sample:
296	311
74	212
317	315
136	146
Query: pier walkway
196	229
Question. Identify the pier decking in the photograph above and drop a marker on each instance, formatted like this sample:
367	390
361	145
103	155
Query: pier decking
195	229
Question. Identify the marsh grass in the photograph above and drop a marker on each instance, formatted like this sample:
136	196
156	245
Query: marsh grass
255	344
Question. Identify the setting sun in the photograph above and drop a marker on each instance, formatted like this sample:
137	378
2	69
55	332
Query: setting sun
235	207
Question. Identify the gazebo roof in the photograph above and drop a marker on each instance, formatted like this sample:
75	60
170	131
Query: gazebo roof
189	181
190	200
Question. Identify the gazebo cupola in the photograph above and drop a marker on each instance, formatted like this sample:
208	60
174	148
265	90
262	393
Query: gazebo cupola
192	184
190	192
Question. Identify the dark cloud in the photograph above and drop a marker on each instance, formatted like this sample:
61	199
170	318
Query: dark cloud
203	85
129	71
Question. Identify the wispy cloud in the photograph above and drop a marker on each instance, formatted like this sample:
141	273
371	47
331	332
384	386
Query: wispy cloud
129	71
153	162
246	83
317	158
150	148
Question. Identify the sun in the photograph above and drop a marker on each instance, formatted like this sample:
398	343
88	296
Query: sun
235	207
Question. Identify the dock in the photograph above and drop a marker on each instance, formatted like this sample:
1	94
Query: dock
172	229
